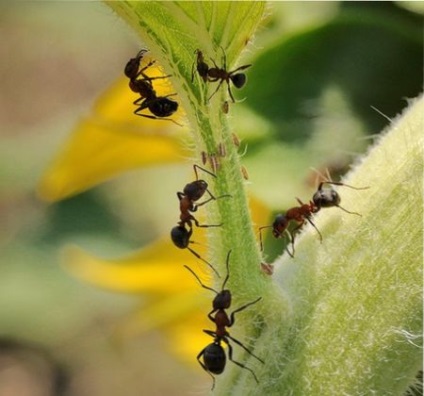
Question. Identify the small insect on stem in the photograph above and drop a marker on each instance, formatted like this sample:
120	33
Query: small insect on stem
188	199
216	73
322	198
212	358
140	83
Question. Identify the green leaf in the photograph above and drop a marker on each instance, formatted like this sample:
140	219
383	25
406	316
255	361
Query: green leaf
355	322
360	52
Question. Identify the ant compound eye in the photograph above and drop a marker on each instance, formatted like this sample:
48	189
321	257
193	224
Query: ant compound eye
239	80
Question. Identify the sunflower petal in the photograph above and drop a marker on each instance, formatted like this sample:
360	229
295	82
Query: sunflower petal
156	269
112	140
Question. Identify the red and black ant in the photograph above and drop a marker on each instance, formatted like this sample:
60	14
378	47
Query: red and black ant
214	74
323	198
191	193
214	357
159	106
188	198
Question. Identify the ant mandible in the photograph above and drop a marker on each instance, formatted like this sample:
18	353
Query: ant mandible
159	106
214	357
322	198
213	74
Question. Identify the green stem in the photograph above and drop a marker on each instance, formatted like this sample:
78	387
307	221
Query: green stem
351	322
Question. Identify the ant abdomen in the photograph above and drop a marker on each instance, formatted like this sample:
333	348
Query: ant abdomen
180	237
239	80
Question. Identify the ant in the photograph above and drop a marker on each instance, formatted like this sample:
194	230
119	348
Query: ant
213	74
322	198
214	357
188	198
159	106
191	193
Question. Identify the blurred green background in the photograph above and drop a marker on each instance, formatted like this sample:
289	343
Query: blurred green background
326	76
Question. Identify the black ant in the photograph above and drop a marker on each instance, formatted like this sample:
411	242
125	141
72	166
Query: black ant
323	198
159	106
188	198
213	74
214	357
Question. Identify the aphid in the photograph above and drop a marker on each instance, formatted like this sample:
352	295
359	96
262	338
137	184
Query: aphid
213	355
323	198
225	107
222	151
244	173
236	140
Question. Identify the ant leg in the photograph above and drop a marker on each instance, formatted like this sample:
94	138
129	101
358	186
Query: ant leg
202	352
204	225
136	112
212	198
232	318
229	91
199	280
210	332
240	68
245	348
291	254
347	211
216	90
230	356
206	262
260	236
313	225
196	167
140	72
340	184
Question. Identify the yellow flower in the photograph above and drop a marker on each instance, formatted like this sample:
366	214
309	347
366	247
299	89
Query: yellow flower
110	141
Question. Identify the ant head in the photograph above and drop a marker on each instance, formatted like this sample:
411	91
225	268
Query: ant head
279	226
181	236
163	107
222	300
326	198
131	68
238	79
195	190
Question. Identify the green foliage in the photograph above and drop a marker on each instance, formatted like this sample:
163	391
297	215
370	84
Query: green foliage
343	317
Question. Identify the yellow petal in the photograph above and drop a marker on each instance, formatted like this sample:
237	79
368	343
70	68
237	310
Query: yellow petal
156	269
112	140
